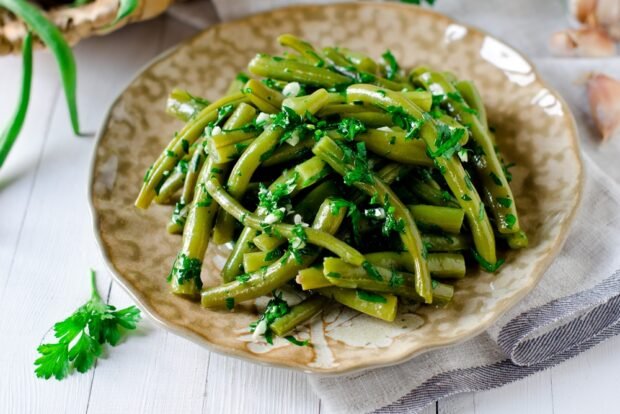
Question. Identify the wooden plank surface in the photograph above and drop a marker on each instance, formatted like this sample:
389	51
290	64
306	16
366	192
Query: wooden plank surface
47	247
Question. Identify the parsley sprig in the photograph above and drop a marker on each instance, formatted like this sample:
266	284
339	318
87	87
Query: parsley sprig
81	336
276	308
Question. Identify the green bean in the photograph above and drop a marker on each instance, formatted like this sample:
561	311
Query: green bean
452	170
230	152
264	98
430	194
177	147
234	263
183	105
247	164
345	109
359	60
267	242
384	309
185	273
243	114
237	84
312	278
288	153
275	275
315	237
331	153
516	240
278	68
393	145
253	261
178	219
487	164
372	119
344	275
10	134
442	265
232	131
171	185
472	97
445	242
445	218
422	99
298	314
304	48
309	103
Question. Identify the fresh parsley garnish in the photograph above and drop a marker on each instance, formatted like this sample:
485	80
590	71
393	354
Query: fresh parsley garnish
405	121
392	67
276	308
396	280
489	267
186	269
370	296
81	336
350	128
372	271
391	222
296	341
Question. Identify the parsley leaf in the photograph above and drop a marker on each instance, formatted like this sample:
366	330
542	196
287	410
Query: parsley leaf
186	269
81	336
276	308
370	296
392	65
350	128
405	121
489	267
296	341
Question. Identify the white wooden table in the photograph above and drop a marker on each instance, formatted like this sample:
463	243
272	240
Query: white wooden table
47	247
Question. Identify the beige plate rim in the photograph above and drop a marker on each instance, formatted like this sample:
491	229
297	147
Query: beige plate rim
170	326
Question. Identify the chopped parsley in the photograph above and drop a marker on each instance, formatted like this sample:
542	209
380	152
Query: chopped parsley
186	269
391	222
370	296
350	128
352	212
372	271
489	267
504	202
335	275
230	303
396	280
392	68
296	341
510	220
358	158
276	308
495	179
243	278
405	121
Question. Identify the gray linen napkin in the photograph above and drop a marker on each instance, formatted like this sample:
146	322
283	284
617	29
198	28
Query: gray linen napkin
577	303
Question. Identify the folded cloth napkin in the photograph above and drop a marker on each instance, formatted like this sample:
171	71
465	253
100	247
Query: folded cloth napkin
577	303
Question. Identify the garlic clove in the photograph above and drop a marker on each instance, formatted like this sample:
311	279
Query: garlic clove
585	42
608	16
604	97
583	10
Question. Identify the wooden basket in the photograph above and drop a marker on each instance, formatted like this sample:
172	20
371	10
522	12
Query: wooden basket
77	23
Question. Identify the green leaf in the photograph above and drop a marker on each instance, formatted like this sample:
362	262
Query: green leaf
53	39
10	134
370	296
81	336
296	341
125	8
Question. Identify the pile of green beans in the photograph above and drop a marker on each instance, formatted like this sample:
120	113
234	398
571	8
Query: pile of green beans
337	176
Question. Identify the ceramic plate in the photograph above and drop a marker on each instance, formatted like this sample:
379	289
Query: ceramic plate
534	129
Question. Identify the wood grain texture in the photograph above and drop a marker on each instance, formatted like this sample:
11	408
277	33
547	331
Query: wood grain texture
47	247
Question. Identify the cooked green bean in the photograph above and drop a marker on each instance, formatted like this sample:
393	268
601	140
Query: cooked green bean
485	159
453	172
271	67
315	237
178	147
284	269
442	265
445	218
183	105
342	274
331	153
379	163
185	273
379	305
299	314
